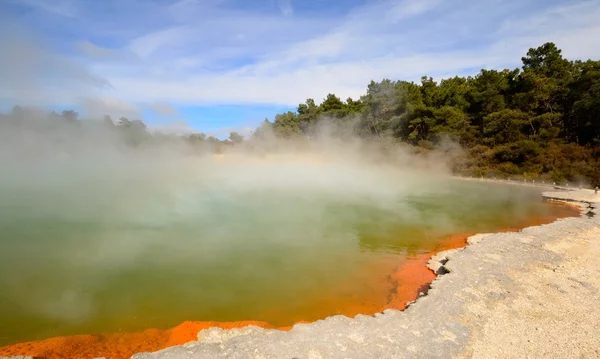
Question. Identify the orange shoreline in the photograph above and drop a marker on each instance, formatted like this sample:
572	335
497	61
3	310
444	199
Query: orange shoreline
406	282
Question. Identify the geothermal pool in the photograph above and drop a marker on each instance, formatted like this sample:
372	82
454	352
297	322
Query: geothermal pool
135	248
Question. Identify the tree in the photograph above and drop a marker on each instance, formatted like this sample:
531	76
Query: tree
584	116
488	92
505	126
236	137
134	131
69	116
332	104
196	137
420	123
547	61
308	114
287	125
455	92
429	90
264	131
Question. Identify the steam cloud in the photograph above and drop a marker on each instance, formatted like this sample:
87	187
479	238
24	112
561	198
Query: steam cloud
87	207
59	174
79	202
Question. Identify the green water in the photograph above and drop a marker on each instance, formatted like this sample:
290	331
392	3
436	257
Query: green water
97	254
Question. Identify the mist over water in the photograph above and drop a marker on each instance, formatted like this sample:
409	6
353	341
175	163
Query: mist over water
99	237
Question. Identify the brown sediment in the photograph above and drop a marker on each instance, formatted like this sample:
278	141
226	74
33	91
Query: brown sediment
402	286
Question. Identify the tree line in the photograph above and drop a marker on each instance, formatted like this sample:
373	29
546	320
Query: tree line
538	122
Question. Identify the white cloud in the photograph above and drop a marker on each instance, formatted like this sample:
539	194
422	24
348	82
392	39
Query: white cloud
573	27
163	108
99	53
33	73
206	52
99	107
175	127
409	8
345	79
145	45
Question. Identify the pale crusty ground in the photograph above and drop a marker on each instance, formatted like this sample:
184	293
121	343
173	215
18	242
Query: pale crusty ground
556	313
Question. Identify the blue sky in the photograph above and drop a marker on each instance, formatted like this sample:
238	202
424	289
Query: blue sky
219	65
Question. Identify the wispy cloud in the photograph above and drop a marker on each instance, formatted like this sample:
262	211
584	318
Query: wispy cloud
98	107
286	7
59	7
409	8
147	44
176	127
205	52
34	72
163	108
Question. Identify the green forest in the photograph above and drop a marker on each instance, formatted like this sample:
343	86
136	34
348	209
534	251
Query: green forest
538	122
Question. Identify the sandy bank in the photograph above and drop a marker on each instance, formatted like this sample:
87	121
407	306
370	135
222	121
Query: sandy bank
529	294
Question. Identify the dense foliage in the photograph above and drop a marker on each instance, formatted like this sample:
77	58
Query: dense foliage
539	122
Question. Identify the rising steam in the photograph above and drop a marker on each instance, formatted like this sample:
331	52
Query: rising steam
104	227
